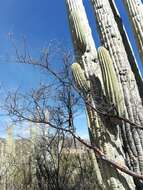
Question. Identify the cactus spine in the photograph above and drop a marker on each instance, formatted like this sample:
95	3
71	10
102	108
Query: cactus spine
135	12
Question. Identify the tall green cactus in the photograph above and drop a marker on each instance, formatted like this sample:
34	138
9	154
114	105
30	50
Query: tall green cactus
112	39
105	82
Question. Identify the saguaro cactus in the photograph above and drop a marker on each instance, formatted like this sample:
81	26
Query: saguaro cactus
88	78
112	40
10	142
135	11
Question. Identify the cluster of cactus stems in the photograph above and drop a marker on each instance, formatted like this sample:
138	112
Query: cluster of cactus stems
110	82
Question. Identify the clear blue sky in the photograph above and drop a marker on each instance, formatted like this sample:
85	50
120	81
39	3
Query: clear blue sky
40	21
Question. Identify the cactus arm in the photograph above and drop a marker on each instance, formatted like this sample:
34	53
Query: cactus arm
135	12
81	32
84	46
80	79
110	80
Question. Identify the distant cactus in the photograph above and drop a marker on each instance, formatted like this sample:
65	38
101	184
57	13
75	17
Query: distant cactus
10	141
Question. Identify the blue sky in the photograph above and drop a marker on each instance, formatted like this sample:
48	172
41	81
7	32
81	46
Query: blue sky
40	21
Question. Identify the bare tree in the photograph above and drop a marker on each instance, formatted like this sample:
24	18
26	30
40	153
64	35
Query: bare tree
54	165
